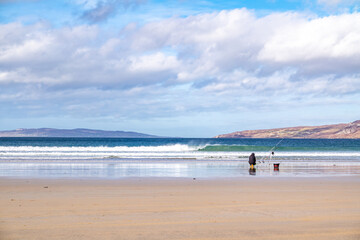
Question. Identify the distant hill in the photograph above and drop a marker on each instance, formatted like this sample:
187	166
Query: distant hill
79	132
343	130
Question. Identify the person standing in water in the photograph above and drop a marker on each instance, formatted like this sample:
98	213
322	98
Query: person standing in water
252	160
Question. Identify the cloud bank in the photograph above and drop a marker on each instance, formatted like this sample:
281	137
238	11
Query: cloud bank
172	67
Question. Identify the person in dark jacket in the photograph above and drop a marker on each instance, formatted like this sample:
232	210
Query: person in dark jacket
252	160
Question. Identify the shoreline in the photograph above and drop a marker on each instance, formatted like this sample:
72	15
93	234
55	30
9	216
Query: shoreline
180	208
189	169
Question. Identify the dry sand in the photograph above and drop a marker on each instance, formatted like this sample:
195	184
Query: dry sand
151	208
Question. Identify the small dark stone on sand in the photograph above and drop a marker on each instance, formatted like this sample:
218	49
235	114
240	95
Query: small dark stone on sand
46	187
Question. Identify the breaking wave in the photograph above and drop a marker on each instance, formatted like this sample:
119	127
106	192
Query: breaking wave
171	152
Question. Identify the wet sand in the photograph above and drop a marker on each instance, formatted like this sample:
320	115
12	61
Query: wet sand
180	208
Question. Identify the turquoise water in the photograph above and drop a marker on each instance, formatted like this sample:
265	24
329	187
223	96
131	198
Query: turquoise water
175	157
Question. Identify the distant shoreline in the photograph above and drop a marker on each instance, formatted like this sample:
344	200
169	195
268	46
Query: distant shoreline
73	133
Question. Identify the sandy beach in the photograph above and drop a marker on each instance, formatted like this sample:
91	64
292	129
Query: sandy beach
180	208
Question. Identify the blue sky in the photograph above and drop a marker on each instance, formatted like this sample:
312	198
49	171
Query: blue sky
178	68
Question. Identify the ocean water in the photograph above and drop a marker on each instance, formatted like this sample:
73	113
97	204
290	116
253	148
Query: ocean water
176	157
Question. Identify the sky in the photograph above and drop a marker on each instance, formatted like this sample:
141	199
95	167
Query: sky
178	68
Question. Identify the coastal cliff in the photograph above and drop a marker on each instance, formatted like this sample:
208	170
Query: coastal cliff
343	130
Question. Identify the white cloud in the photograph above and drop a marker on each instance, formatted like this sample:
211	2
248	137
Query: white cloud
36	45
334	37
152	63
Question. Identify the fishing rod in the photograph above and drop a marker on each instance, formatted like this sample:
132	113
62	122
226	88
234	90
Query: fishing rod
271	151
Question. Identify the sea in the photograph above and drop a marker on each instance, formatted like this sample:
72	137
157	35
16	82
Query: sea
177	157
